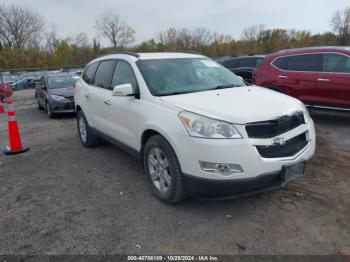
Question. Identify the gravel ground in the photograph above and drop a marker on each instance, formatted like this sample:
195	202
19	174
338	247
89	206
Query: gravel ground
61	198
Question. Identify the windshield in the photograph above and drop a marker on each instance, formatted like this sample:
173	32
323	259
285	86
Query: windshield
61	82
186	75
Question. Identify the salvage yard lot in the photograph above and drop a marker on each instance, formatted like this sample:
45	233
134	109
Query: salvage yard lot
61	198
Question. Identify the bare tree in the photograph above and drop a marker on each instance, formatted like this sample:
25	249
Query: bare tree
80	40
19	26
251	35
201	37
169	38
341	25
119	33
52	40
185	39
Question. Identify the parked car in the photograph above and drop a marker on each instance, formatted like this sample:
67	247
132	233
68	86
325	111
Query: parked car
24	83
198	128
318	76
243	66
55	94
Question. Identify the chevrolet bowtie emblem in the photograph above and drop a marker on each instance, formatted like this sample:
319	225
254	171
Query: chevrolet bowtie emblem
278	141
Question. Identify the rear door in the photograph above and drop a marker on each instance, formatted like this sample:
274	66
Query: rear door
246	66
333	83
87	100
297	75
100	92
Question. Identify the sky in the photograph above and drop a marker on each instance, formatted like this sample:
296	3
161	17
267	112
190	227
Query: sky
149	17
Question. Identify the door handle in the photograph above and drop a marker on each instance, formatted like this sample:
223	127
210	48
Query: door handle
323	80
107	102
87	96
283	77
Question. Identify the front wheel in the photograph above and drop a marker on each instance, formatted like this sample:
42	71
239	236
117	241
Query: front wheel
163	170
87	137
39	106
49	111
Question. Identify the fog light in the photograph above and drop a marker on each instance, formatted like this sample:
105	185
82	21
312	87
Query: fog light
219	168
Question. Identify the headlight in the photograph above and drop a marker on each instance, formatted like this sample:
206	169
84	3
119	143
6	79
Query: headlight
57	98
205	127
306	112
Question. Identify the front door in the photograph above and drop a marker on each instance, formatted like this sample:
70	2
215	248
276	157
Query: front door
124	112
333	85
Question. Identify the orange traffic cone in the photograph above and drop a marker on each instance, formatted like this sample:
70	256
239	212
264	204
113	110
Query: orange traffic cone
13	131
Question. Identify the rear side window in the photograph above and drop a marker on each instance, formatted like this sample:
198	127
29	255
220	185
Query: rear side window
306	63
124	74
232	63
247	62
336	63
89	72
104	74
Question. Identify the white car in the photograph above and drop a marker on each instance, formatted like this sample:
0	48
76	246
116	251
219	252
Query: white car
198	128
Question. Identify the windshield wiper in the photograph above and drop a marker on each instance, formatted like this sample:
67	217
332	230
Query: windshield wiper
226	86
180	92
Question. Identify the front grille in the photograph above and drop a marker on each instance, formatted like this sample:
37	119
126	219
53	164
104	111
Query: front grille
269	129
68	106
290	148
71	98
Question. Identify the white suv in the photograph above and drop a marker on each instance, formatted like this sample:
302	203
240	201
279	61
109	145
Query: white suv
198	128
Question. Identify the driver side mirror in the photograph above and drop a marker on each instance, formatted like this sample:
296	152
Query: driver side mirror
123	90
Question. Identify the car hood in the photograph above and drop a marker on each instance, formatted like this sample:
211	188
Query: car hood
240	105
66	92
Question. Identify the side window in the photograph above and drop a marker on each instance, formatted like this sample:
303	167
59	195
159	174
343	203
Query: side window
124	74
310	63
281	63
230	63
306	63
248	62
336	63
42	81
89	72
104	73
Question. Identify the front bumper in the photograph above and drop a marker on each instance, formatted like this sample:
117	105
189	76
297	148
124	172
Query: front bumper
190	151
66	106
220	190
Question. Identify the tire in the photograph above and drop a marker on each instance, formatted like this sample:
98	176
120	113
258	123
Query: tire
158	172
88	139
39	106
49	111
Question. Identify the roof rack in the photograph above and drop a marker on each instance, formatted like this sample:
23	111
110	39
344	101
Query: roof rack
313	47
187	52
125	53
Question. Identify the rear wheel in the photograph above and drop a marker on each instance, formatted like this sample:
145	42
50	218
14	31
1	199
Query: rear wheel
163	170
87	137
